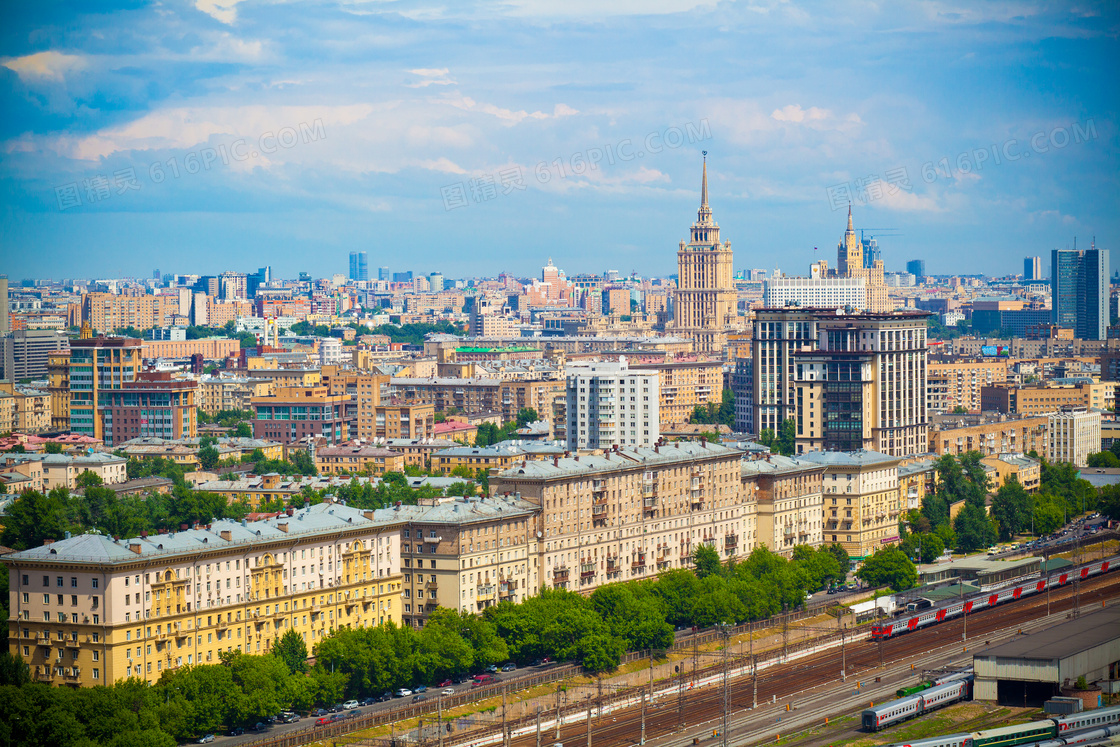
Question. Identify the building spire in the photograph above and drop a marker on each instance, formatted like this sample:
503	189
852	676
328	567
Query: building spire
704	183
850	228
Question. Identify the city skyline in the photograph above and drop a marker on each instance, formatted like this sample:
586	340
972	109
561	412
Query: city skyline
367	140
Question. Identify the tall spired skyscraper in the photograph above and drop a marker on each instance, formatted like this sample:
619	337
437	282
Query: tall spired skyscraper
704	304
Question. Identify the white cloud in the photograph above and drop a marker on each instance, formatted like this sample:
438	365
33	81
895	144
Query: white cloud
44	66
904	200
443	165
431	77
585	9
507	116
222	10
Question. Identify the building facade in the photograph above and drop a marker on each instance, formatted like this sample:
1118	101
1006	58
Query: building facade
862	499
155	405
788	501
89	610
684	385
24	352
294	413
815	292
631	513
98	365
704	304
1079	291
1075	433
990	436
610	404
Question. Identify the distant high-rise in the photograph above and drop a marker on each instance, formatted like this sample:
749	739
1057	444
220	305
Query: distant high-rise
155	275
704	304
383	274
871	252
402	277
917	268
359	266
1032	268
1079	291
5	326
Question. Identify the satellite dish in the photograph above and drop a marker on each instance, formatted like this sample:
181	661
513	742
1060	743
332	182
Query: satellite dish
539	535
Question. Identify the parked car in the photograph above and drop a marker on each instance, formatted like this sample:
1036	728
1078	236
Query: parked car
323	721
236	731
288	717
447	691
492	668
509	667
404	692
420	689
336	708
260	726
206	739
482	679
350	705
418	698
386	697
368	701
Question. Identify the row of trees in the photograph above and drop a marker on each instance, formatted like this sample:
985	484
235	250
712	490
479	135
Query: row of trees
489	434
784	441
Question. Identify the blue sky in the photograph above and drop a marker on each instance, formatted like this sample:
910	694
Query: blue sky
225	134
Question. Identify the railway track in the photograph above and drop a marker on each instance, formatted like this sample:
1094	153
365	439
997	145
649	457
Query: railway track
670	713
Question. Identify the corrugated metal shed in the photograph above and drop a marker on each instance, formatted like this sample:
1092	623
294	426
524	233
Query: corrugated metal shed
1057	656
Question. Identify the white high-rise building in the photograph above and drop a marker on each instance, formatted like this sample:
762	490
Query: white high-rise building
1074	435
830	293
609	404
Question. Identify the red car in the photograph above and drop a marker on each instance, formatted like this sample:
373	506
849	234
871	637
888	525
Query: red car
323	721
445	683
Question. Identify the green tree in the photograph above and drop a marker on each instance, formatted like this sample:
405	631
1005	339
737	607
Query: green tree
243	430
525	416
208	457
1104	459
889	567
787	435
974	529
1048	517
88	480
706	560
52	447
1013	509
929	545
960	410
292	651
837	551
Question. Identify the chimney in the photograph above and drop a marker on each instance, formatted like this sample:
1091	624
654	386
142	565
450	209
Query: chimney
143	535
291	511
183	527
576	457
135	547
283	527
226	534
368	515
657	448
555	461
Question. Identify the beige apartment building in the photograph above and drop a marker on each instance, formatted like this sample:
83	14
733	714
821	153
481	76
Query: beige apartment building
630	513
990	435
89	610
466	554
960	384
787	494
217	393
105	312
1043	400
24	409
684	385
862	499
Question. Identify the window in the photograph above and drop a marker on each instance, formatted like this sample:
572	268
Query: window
46	580
60	580
95	583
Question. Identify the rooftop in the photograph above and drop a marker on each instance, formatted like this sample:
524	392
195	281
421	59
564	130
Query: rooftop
679	451
1061	641
861	458
775	464
459	510
324	518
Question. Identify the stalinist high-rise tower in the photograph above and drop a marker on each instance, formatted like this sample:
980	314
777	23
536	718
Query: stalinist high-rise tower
850	264
704	304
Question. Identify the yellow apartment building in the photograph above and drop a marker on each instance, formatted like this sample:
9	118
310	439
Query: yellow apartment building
90	610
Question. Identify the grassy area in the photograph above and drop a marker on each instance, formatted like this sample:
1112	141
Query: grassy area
962	717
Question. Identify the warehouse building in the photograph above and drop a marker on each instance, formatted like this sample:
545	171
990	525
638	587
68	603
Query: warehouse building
1030	669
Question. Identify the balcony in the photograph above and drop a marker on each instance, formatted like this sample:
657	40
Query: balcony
43	640
650	503
72	674
432	584
45	676
612	564
639	561
72	643
482	593
649	489
505	591
279	614
586	570
559	575
599	509
731	541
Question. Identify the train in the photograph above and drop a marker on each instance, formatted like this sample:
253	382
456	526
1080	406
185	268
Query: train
932	698
1087	728
975	603
903	692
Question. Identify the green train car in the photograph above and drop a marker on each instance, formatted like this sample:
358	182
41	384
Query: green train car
907	691
1007	736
